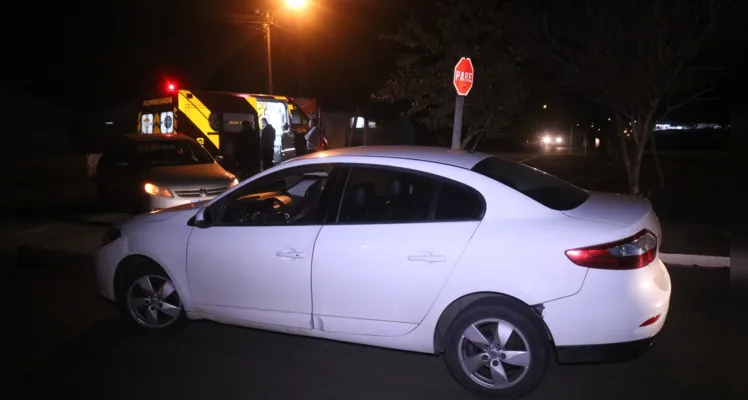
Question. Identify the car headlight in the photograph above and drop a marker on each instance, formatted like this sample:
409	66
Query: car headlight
234	183
110	236
547	139
559	140
154	190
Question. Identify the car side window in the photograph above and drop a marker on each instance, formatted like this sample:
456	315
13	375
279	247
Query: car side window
289	197
384	195
457	202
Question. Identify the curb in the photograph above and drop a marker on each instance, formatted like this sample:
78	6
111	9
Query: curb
696	260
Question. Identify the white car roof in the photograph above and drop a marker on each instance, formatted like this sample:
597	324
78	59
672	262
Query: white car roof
441	155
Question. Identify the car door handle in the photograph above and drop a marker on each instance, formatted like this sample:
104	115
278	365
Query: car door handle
290	254
427	258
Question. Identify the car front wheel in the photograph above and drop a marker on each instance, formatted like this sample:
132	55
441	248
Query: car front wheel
496	350
148	300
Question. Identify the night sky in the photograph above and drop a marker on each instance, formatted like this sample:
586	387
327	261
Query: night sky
93	55
115	50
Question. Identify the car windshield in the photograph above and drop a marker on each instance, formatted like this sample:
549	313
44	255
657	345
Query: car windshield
546	189
173	152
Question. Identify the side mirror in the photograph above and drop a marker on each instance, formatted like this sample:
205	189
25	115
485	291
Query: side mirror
199	219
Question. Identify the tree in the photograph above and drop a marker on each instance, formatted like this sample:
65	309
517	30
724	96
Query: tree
423	79
632	57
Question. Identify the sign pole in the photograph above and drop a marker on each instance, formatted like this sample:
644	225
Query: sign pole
463	82
457	124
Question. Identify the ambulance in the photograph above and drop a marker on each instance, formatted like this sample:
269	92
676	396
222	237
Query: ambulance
225	123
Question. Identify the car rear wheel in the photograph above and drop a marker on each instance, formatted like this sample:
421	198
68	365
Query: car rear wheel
149	301
495	350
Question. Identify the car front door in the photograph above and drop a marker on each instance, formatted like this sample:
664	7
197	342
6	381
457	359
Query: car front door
253	260
383	259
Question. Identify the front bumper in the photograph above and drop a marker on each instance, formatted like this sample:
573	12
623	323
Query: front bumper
105	266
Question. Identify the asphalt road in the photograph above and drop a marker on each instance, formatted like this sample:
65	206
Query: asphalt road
98	360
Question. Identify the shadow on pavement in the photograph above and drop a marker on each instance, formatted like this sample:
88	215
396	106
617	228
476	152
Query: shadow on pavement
208	360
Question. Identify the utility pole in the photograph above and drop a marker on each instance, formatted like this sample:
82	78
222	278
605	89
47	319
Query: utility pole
266	20
266	25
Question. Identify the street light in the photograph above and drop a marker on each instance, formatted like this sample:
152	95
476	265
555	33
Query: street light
545	106
266	20
296	4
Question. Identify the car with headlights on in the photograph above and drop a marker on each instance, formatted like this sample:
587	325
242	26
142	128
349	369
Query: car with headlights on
496	265
140	173
551	142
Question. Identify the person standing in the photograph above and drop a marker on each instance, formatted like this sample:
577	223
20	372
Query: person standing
312	137
267	143
247	150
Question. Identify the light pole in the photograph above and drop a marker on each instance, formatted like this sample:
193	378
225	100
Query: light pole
266	20
542	117
266	27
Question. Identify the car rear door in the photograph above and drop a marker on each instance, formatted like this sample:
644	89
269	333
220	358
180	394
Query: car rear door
382	259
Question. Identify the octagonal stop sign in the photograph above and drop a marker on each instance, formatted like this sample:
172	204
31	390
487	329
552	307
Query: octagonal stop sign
463	77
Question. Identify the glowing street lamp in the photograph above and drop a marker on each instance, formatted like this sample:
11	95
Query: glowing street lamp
266	19
296	4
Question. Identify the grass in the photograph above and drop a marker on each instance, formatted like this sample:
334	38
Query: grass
696	184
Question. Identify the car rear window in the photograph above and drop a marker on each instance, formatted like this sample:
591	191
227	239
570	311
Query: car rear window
544	188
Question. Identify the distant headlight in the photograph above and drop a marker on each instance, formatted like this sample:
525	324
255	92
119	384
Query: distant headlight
234	183
154	190
559	140
547	139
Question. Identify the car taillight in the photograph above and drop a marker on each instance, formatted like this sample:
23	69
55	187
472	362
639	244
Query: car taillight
635	252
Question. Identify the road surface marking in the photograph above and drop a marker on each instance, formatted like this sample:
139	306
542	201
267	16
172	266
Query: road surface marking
695	259
530	159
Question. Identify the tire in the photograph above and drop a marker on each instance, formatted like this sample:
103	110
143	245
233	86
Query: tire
150	310
522	333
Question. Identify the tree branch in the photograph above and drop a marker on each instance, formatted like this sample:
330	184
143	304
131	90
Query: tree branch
672	107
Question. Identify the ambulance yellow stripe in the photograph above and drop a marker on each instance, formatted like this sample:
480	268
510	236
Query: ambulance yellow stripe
252	101
198	113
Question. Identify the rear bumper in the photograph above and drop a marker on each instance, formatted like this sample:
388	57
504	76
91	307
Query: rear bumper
600	353
612	307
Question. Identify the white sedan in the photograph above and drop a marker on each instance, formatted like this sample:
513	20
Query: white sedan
497	265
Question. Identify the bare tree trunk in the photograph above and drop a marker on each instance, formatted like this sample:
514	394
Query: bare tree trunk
475	132
656	159
611	140
631	172
632	161
636	166
467	138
